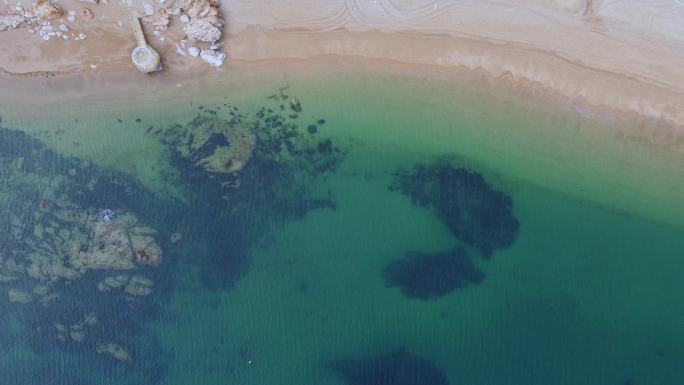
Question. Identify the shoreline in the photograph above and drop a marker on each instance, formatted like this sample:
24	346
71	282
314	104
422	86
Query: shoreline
593	54
169	88
599	156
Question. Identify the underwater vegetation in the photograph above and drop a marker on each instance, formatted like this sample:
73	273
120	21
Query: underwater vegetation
55	251
425	276
395	368
244	174
476	213
89	256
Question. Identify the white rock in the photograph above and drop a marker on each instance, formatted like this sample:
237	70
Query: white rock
93	66
63	28
180	50
184	18
149	10
214	58
71	18
82	36
194	51
72	13
119	23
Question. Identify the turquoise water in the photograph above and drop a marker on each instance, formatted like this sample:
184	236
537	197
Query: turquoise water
278	278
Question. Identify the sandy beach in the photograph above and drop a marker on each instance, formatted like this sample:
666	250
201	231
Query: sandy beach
624	56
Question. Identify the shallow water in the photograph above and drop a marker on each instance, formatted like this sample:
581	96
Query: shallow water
272	285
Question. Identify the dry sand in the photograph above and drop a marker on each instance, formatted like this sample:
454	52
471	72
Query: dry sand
626	56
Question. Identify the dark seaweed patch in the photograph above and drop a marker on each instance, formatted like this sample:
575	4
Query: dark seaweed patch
425	276
395	368
228	213
474	212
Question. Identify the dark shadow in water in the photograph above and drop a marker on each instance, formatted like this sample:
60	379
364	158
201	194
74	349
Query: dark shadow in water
474	212
396	368
229	213
224	217
426	276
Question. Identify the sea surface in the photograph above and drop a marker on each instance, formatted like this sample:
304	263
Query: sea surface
385	230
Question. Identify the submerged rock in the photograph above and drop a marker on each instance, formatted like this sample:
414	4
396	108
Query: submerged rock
139	285
395	368
113	350
213	143
473	210
19	296
425	276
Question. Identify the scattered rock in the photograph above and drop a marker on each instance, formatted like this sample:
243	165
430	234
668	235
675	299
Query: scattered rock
94	2
194	51
175	237
90	319
86	14
110	283
115	351
19	296
139	285
9	22
295	105
77	335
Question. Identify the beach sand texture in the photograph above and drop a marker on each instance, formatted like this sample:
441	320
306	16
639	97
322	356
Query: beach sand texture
625	55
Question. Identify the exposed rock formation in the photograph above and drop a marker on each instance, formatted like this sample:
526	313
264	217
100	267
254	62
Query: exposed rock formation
44	9
204	23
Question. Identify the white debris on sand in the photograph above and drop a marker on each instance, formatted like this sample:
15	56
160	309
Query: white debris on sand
149	9
214	58
181	50
194	51
40	20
